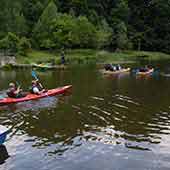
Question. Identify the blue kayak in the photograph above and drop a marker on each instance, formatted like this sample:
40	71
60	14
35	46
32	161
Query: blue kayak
3	134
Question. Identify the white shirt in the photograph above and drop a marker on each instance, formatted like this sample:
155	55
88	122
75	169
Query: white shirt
35	90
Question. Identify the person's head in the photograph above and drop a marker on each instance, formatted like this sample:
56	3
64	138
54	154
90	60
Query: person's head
12	85
34	82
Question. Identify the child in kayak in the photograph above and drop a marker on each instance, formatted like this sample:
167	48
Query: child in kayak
37	87
15	92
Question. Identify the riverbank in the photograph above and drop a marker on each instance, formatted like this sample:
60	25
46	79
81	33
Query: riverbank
51	60
85	56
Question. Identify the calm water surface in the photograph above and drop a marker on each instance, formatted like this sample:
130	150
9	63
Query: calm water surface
107	123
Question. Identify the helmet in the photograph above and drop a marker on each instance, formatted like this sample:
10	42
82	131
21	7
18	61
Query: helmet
11	85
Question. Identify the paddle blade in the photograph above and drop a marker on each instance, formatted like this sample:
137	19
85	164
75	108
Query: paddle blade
1	97
33	73
17	83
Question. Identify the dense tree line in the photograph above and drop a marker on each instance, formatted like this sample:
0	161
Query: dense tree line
112	24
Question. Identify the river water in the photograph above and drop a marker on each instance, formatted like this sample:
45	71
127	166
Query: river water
106	123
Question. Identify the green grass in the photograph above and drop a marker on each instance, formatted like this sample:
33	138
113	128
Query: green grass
82	56
36	57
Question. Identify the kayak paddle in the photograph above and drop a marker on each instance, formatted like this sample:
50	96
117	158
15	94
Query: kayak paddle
33	73
2	97
18	85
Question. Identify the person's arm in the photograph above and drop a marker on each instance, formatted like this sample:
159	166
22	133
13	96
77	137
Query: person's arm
18	90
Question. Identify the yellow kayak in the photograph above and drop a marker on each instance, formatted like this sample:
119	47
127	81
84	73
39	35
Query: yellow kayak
125	70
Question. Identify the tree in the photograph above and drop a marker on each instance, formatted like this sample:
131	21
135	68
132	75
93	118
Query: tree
104	34
145	23
121	36
86	33
42	29
74	32
23	46
10	43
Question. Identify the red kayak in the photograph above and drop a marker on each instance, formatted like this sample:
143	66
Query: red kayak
30	96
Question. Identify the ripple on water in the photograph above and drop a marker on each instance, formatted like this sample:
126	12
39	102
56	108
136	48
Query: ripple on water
120	120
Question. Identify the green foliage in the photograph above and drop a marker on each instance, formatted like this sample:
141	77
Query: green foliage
13	41
47	44
86	33
73	32
10	42
115	24
104	34
121	11
4	43
23	46
63	30
121	36
42	29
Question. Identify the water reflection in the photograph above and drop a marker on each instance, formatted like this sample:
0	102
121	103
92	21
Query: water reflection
35	105
115	116
131	118
123	113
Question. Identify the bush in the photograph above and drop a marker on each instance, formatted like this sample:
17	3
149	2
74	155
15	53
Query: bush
10	42
23	45
14	44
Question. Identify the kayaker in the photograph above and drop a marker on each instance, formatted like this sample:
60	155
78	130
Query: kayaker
37	87
118	67
15	92
144	69
113	67
63	61
109	67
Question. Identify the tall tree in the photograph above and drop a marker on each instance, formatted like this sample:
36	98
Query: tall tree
42	29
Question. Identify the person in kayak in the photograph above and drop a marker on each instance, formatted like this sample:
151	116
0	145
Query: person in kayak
144	69
63	60
110	67
37	87
118	67
15	92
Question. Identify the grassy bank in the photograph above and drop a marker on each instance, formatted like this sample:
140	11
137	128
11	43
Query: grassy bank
83	56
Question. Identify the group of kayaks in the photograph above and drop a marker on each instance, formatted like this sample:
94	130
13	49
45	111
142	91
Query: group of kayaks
127	70
61	90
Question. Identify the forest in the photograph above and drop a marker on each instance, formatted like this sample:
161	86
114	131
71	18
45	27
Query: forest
86	24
